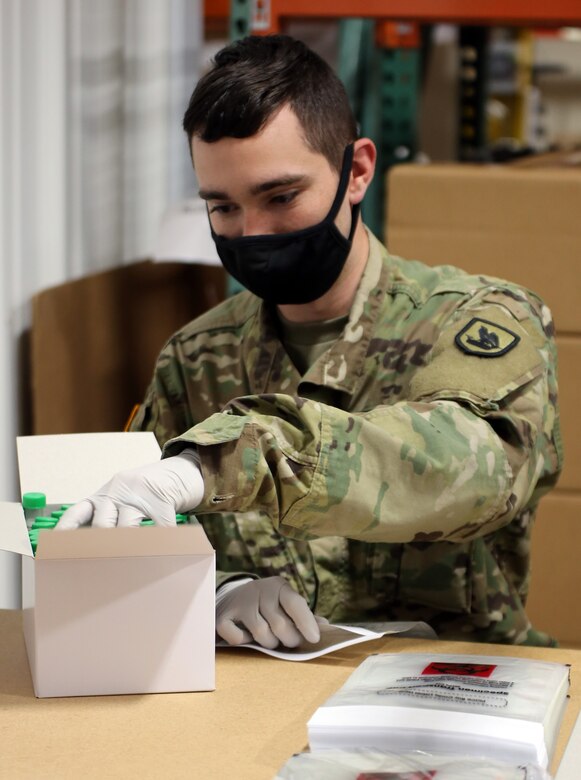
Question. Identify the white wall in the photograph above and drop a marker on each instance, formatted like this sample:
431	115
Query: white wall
32	223
55	218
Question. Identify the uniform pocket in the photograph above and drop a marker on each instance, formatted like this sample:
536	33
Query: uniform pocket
438	575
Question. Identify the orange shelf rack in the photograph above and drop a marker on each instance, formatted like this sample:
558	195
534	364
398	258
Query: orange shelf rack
269	15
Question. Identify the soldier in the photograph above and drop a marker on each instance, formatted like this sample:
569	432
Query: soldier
362	437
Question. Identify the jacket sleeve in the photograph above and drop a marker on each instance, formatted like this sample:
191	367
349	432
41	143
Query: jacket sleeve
166	410
475	441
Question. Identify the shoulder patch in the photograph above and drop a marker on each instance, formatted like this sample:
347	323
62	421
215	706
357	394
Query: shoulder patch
485	338
449	374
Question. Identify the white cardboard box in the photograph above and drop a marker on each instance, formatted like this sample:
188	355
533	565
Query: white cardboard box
109	611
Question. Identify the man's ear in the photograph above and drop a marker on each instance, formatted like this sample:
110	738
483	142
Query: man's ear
362	169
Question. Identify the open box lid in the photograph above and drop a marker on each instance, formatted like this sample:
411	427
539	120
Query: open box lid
68	468
13	531
71	466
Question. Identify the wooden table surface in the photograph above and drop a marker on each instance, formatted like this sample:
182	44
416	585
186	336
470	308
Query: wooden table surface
244	730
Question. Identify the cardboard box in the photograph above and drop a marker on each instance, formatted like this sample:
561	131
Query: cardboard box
109	611
569	356
556	574
518	224
562	158
95	340
521	225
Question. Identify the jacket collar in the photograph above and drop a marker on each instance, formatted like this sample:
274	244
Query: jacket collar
340	367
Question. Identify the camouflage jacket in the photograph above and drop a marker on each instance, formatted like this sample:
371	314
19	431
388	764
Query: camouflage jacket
398	477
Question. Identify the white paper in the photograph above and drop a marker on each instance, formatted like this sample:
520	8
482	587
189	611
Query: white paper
335	637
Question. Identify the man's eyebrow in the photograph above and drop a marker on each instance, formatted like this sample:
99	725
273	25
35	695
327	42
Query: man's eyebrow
257	189
280	181
213	195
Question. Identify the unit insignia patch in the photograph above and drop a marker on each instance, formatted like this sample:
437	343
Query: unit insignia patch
485	339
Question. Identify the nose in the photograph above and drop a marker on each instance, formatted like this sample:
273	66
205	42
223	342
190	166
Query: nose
256	223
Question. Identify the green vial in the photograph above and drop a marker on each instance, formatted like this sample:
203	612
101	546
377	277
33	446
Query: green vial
147	521
33	536
44	522
33	505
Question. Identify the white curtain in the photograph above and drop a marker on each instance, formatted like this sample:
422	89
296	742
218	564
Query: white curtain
91	154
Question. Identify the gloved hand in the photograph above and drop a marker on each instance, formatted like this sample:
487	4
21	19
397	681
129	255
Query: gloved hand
157	491
267	611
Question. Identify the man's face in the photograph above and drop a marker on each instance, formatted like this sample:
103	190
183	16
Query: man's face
272	182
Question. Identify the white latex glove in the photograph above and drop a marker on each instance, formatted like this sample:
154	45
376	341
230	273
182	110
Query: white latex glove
267	611
156	491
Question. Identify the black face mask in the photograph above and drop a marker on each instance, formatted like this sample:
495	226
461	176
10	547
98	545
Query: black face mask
296	267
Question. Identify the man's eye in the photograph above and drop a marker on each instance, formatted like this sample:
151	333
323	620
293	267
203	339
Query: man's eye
284	197
221	208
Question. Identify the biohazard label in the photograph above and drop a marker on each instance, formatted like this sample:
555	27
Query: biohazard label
416	774
463	669
460	684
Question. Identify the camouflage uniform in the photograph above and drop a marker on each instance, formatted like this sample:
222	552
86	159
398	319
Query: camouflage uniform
399	476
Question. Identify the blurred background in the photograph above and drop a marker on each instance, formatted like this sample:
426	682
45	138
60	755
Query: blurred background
105	249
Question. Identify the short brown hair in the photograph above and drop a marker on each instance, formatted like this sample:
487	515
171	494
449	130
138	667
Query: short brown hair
253	78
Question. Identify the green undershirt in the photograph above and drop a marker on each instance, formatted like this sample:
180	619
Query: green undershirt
306	341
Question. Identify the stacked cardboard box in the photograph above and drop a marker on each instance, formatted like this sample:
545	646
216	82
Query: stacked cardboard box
520	224
94	341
